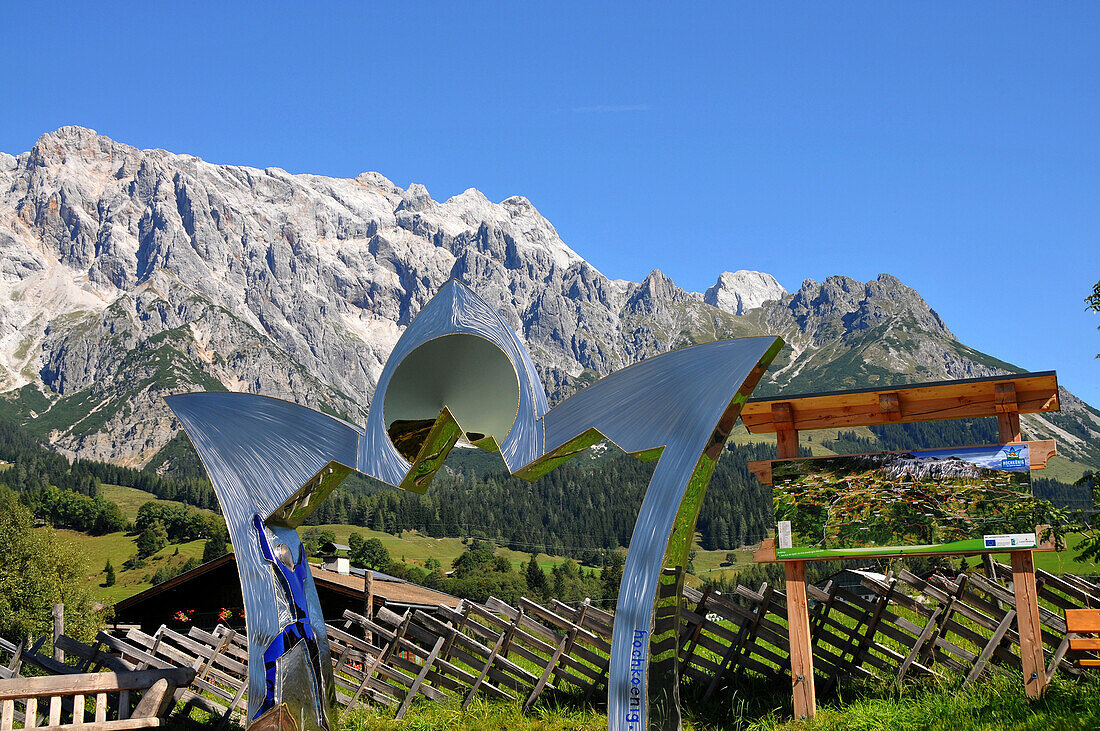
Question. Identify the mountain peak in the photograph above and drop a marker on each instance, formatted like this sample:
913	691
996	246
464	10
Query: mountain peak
72	141
856	306
71	134
126	266
416	198
736	292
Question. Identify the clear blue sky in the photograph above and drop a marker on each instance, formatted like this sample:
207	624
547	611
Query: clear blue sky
954	145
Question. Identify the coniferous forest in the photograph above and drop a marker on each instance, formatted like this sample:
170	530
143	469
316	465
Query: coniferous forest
574	510
584	509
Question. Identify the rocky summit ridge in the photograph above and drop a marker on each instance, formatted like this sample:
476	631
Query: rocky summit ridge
128	274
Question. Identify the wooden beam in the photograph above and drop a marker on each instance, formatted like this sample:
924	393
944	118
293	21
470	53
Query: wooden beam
782	415
1083	621
1028	624
89	683
1005	398
798	628
889	406
1031	393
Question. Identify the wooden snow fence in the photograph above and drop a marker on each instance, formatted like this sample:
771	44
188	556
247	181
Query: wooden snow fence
908	627
495	650
216	663
903	625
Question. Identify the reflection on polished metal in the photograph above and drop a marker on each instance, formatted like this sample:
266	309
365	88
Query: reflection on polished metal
459	372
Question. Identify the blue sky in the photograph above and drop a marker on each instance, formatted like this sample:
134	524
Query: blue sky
954	145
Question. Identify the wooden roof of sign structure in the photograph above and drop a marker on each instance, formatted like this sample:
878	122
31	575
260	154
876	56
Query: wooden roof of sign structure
1021	393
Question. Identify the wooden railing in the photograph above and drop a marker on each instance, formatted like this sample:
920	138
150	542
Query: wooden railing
67	697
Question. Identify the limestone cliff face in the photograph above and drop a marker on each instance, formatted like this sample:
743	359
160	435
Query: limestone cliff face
740	291
128	274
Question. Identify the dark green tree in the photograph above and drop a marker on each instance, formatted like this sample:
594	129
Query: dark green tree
314	538
355	544
372	554
109	570
217	545
153	538
536	578
39	569
1089	547
612	575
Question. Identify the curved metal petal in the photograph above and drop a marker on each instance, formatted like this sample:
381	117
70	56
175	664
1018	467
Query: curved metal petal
259	452
685	402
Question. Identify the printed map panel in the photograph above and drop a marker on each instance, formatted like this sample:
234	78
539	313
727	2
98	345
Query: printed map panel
927	501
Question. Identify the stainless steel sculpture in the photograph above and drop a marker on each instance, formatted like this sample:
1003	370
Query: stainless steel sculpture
459	371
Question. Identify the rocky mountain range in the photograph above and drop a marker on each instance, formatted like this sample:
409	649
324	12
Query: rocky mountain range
128	274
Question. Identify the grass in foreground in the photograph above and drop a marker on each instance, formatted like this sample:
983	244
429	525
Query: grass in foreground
994	702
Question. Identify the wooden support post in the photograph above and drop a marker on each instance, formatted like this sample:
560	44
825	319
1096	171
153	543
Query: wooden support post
786	436
798	609
1008	413
1009	427
368	603
58	630
1027	618
1023	566
798	627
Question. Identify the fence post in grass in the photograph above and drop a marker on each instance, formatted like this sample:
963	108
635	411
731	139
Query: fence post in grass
58	630
1023	565
368	601
798	608
1027	619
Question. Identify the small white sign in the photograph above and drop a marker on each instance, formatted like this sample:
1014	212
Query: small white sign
1011	540
785	534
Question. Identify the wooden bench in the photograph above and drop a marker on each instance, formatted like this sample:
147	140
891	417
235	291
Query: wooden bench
1084	621
67	697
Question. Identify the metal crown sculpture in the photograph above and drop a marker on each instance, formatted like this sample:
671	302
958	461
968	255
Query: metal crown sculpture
459	371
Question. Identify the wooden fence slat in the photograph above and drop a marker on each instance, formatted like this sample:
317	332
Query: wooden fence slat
30	713
545	677
994	641
481	676
428	662
55	710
